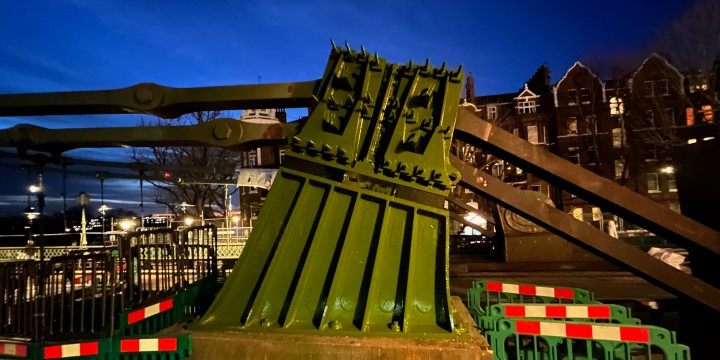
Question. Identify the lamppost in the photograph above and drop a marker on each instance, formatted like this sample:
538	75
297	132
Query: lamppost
31	214
38	190
83	199
236	220
103	209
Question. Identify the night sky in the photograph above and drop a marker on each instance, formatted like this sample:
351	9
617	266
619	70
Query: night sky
62	45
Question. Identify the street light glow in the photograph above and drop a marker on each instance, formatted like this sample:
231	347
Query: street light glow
668	170
188	221
34	188
236	219
126	224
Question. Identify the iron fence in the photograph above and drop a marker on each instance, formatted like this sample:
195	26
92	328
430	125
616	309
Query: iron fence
79	295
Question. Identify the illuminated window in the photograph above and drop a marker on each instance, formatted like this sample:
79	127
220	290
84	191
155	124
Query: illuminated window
534	136
653	183
616	106
689	116
617	136
619	169
572	125
708	113
578	213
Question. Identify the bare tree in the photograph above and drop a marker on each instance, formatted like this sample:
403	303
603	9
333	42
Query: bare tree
198	163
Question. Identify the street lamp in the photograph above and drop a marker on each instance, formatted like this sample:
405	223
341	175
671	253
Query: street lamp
236	220
189	220
126	224
103	208
31	215
83	199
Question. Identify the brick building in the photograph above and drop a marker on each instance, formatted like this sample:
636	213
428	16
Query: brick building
622	128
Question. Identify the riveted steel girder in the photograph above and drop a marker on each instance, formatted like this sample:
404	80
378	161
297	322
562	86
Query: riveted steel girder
597	190
587	236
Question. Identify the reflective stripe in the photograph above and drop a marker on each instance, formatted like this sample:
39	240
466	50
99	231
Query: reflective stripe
18	350
71	350
149	311
583	331
149	345
562	293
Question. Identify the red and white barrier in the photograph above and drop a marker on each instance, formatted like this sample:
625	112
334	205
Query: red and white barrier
558	311
12	349
149	311
138	345
583	331
560	293
71	350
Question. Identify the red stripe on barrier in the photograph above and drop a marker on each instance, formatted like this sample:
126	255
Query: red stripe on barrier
19	350
130	345
136	316
89	348
599	312
53	352
526	290
579	331
639	335
555	311
527	327
564	293
493	286
515	310
167	344
166	305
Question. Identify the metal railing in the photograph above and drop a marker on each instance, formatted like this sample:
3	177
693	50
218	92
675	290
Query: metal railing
79	295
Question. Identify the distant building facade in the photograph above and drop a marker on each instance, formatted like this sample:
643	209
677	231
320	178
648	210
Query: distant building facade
266	157
622	128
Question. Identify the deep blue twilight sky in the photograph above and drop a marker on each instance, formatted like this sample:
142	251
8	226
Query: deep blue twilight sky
61	45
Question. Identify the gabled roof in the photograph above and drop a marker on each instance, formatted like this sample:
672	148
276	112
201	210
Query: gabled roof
526	93
578	64
664	60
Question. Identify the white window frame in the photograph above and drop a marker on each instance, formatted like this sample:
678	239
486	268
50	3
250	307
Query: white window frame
653	177
526	106
492	112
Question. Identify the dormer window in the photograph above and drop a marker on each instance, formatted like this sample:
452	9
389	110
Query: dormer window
526	102
526	106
